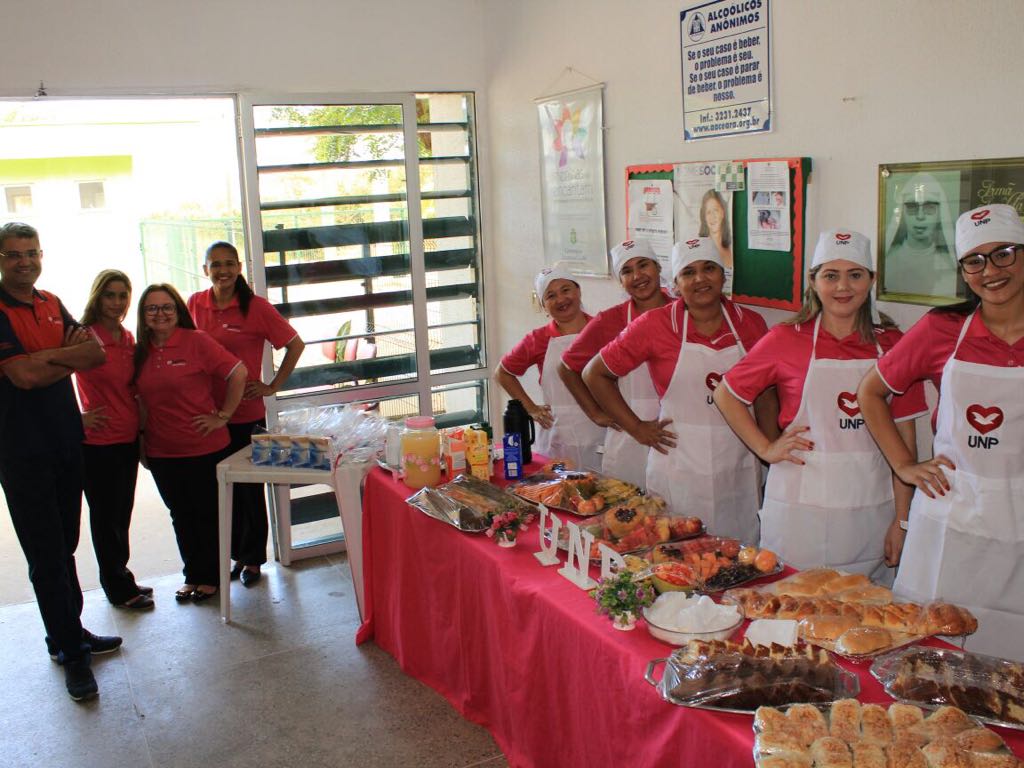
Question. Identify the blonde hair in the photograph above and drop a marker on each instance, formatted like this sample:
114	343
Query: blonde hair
812	308
91	315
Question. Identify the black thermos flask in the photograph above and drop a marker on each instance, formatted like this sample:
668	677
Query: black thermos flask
517	421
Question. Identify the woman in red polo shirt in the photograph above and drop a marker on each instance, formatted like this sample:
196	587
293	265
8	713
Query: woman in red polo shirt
177	370
965	535
110	452
830	498
639	273
564	431
243	324
697	463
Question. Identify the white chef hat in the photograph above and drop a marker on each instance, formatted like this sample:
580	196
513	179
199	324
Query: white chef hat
852	246
695	249
544	278
843	244
997	223
630	249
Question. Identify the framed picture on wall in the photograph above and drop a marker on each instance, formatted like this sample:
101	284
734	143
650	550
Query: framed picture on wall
918	204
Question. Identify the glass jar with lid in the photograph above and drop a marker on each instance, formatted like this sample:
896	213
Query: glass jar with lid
421	452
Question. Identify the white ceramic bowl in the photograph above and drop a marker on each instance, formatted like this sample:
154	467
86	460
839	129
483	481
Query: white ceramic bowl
672	637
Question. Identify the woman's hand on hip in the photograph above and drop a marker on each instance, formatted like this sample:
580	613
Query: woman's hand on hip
655	434
205	423
783	449
255	389
927	476
95	418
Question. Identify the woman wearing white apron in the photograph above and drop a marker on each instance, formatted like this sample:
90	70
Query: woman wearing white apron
697	464
830	495
563	430
965	537
640	276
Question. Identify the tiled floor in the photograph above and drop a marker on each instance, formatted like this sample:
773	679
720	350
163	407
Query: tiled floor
283	685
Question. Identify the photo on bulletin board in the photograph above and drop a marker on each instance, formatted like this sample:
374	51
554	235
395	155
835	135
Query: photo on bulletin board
918	204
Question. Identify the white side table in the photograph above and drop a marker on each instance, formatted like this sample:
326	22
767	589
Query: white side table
237	468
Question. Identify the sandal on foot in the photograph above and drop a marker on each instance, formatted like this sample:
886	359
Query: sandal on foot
200	595
138	603
184	594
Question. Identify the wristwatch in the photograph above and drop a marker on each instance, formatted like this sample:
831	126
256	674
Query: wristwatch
904	524
224	415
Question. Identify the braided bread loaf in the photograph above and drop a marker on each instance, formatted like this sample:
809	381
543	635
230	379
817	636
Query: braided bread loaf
909	618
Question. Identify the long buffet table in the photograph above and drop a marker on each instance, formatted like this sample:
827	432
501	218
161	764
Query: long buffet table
521	651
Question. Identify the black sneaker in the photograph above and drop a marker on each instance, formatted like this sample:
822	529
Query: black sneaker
100	644
79	679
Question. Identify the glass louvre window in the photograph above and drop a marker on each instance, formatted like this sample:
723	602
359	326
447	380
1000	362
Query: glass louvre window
19	199
384	300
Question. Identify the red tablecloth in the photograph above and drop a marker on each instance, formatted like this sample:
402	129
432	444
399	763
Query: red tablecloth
521	651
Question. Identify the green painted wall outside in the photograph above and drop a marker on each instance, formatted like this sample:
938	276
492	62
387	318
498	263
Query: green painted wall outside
39	168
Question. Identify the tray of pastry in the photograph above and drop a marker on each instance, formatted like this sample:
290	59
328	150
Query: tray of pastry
740	677
986	687
636	525
466	503
716	563
830	583
582	493
848	734
856	630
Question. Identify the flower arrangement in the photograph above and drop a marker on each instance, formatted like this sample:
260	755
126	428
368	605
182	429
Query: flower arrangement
505	526
621	598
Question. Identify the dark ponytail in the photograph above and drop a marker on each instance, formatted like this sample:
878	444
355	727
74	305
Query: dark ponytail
242	289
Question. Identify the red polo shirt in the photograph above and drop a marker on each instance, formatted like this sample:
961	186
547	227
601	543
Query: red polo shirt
924	350
531	350
782	357
244	337
110	385
651	339
41	420
176	384
606	325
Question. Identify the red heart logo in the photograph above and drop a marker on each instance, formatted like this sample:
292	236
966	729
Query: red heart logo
983	419
979	215
841	236
711	380
847	402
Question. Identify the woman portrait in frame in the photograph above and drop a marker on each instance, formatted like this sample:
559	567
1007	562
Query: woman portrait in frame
918	262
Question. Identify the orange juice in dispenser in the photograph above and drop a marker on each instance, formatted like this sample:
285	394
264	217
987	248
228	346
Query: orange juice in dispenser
421	452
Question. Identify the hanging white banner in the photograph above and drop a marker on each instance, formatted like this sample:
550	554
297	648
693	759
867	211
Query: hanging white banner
572	180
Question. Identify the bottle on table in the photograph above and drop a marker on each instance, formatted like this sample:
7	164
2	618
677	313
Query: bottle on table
517	421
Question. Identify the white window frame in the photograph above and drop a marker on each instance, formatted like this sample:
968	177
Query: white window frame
424	381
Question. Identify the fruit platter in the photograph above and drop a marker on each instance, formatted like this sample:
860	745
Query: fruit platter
709	564
582	493
637	524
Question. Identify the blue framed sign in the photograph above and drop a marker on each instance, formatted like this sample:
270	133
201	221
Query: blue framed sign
726	62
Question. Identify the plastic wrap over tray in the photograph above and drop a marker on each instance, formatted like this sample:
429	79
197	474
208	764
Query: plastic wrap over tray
740	682
580	493
988	688
467	503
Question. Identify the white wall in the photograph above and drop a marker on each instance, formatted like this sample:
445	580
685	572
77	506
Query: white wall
855	84
135	46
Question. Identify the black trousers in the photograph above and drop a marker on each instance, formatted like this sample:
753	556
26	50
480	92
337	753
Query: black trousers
110	475
44	495
249	526
188	486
